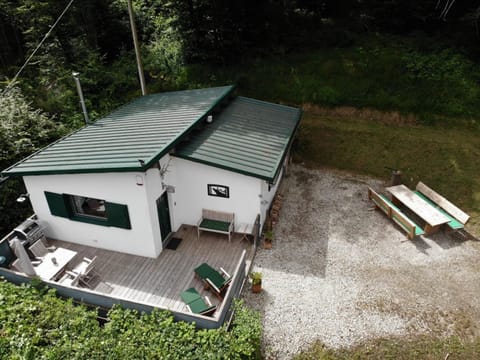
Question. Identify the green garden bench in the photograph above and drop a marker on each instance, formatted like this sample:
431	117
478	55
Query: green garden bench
216	221
394	213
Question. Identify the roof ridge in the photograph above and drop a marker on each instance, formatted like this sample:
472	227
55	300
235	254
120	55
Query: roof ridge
202	102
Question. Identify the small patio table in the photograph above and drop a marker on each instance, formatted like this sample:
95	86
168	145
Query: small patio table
245	229
433	218
54	262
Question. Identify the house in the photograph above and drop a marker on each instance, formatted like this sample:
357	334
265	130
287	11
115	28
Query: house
121	188
129	180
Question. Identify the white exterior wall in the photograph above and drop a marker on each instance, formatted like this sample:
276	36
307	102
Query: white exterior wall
139	191
190	197
142	239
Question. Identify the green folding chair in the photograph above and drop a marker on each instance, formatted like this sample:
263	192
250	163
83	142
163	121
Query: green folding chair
216	281
195	303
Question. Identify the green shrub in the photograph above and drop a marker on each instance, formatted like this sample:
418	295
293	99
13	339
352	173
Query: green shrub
246	332
36	324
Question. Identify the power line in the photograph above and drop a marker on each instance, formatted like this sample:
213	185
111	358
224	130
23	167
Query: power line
39	45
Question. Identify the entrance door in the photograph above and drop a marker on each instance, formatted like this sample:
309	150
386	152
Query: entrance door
164	216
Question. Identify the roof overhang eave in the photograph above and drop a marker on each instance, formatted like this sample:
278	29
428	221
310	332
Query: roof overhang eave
76	171
287	148
228	168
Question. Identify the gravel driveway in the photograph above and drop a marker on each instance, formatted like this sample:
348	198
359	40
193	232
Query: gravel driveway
341	272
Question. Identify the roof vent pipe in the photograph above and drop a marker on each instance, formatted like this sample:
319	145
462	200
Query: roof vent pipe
80	95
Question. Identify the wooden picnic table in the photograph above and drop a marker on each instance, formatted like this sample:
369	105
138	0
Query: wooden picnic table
433	218
245	229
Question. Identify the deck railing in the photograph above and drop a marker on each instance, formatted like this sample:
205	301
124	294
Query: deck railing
256	232
90	297
225	311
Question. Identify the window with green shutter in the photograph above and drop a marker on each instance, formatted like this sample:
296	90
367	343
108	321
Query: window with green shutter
88	210
117	215
58	204
86	206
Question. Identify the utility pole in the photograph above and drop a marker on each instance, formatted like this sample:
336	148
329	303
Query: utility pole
137	48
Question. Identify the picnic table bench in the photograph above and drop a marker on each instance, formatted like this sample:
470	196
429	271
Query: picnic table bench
394	213
216	221
457	217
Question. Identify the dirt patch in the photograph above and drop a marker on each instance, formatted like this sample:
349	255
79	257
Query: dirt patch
342	273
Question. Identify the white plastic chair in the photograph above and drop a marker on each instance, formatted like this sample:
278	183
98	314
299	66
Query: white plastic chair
86	270
39	249
69	278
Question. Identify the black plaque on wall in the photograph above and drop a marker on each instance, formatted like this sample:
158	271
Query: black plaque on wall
218	190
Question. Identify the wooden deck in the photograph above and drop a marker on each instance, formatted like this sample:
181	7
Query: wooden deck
160	281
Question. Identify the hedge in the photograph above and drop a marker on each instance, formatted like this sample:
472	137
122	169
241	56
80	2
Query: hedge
36	324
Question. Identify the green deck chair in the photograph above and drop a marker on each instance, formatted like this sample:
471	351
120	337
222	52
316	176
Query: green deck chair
196	304
213	279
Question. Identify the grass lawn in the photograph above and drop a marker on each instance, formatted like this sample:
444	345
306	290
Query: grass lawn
422	347
446	159
380	72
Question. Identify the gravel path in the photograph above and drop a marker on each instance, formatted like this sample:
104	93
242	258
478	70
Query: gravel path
341	272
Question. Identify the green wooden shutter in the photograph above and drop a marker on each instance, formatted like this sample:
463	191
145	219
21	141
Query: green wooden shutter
58	204
117	215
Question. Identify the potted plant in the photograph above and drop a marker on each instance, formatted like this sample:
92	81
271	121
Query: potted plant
256	281
267	240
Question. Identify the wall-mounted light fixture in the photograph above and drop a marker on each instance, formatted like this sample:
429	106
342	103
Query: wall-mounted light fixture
139	180
169	188
22	198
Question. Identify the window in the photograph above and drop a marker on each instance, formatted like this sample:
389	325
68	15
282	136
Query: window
85	206
88	210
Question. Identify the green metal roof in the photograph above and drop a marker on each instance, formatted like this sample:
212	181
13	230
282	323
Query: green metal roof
249	136
145	129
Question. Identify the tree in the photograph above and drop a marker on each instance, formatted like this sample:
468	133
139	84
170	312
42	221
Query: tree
23	130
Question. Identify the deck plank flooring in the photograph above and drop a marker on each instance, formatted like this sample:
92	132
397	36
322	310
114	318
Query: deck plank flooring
160	281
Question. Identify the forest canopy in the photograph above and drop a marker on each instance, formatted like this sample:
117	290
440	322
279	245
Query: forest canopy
94	38
410	56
